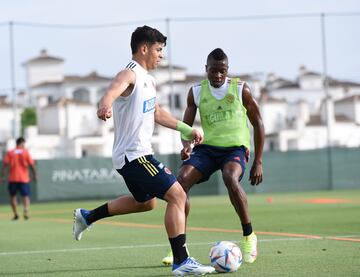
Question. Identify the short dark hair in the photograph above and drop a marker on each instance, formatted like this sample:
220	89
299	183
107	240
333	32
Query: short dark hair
217	54
20	140
145	34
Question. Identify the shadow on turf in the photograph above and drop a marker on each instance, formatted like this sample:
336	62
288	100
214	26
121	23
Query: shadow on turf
70	271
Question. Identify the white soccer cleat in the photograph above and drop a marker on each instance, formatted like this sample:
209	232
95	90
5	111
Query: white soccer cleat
191	267
168	260
80	224
249	248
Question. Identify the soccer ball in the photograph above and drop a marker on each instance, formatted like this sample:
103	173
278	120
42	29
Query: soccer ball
225	256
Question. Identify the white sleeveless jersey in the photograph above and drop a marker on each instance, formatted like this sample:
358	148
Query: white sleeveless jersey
134	118
218	93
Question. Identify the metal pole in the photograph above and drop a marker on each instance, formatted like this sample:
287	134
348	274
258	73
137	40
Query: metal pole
171	81
325	82
12	77
169	58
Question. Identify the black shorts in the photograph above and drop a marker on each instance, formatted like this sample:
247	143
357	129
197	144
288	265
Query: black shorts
208	159
147	178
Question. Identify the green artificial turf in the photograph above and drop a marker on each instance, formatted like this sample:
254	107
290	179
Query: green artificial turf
299	234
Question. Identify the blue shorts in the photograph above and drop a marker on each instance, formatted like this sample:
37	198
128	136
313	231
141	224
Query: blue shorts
208	159
22	188
147	178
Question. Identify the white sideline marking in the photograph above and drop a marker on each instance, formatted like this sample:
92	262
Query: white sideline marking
142	246
123	247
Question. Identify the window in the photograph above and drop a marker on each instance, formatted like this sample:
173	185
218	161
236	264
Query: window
176	99
82	94
272	146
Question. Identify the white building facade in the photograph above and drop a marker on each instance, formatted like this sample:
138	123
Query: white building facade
309	117
295	114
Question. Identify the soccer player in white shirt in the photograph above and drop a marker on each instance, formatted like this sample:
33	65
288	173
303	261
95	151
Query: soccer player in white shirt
131	101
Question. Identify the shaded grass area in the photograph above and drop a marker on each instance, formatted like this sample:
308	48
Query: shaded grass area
117	246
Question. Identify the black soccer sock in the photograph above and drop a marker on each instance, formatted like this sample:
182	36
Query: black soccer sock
98	213
178	247
247	229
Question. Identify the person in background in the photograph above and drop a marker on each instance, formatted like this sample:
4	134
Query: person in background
17	163
131	101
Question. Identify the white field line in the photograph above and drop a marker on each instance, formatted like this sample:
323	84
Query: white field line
125	247
143	246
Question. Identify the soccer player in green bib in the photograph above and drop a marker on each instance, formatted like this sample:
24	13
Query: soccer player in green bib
225	105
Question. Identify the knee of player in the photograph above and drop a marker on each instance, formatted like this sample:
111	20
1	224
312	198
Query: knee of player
176	195
230	177
181	194
184	181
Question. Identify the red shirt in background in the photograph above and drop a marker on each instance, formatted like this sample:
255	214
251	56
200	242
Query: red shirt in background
18	161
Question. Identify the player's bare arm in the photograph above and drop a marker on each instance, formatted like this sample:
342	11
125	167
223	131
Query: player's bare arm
122	84
191	108
165	119
253	113
189	118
